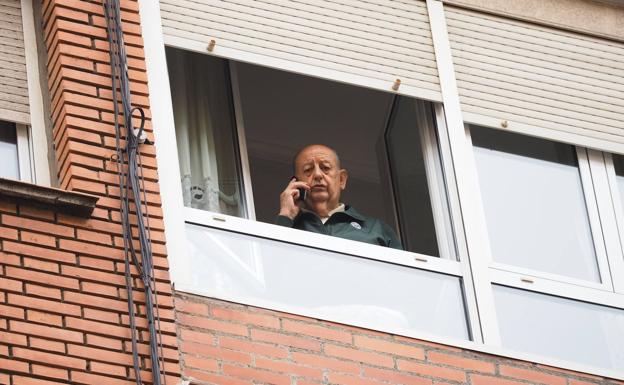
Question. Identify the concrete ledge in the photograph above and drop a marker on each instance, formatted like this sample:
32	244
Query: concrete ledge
69	202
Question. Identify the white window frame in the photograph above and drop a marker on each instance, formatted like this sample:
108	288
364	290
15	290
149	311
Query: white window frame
248	206
616	219
23	146
459	268
467	217
598	187
32	140
24	152
339	245
598	240
606	222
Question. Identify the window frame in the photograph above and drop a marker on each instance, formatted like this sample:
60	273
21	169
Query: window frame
249	226
594	221
434	125
243	155
38	147
431	150
543	293
31	132
24	153
599	187
616	220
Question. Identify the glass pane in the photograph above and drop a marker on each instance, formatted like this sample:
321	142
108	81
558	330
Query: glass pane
411	191
534	204
323	284
8	151
205	132
561	328
618	162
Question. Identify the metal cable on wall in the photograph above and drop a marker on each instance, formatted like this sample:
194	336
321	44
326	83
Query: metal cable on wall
130	174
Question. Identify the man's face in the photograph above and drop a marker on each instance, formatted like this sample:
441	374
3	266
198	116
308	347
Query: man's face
317	166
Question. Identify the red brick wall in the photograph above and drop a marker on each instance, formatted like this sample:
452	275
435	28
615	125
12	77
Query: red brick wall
230	344
63	309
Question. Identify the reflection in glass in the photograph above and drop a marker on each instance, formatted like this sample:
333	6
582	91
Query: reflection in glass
8	151
407	166
618	163
560	328
205	127
534	204
328	285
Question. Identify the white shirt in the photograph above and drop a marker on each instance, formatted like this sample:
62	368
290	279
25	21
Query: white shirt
340	208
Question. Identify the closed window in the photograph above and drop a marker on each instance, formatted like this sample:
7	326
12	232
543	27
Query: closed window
571	330
534	203
553	255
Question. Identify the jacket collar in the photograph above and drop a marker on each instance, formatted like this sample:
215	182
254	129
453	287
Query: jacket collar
353	213
349	211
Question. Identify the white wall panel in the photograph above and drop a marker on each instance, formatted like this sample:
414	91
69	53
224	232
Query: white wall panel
13	83
379	39
564	82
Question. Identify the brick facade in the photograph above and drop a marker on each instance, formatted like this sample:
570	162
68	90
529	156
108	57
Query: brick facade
63	310
63	313
231	344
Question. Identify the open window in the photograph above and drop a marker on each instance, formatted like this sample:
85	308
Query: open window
238	127
550	248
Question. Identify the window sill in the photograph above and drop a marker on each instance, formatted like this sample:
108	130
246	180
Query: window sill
321	241
68	202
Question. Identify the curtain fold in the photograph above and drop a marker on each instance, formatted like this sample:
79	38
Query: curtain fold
204	133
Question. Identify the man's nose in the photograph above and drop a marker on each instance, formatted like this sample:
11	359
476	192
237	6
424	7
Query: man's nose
317	172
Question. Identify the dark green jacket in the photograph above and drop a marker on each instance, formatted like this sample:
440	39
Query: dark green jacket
348	224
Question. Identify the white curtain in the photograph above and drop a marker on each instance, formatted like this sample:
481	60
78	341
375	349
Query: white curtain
204	132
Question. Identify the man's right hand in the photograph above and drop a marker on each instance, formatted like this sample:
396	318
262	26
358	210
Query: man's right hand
290	205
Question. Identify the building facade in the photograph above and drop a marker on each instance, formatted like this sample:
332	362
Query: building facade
488	134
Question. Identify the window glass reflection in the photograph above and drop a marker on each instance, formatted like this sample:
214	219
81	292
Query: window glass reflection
534	204
549	326
324	284
618	163
409	178
8	151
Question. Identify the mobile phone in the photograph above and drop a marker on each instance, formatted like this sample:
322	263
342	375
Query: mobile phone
302	191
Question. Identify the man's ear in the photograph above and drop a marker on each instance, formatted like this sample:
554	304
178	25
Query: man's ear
344	175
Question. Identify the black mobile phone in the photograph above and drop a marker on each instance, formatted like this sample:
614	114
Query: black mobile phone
302	191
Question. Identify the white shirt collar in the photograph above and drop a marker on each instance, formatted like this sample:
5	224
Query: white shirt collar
338	209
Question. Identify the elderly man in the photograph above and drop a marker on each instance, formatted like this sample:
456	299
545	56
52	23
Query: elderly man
318	173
